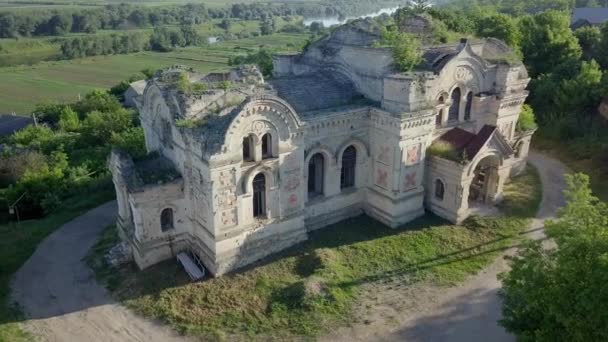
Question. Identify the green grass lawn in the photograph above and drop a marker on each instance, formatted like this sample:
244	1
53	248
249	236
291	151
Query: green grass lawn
22	87
19	241
312	287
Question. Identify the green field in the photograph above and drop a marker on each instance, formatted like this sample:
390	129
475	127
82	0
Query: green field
22	87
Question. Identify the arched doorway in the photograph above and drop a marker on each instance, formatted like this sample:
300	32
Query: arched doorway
484	186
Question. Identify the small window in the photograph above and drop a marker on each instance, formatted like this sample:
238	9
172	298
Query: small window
439	189
439	118
267	146
349	163
166	220
247	149
259	196
467	110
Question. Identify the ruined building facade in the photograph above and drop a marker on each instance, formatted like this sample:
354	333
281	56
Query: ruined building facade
242	167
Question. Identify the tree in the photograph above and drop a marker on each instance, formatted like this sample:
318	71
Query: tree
262	58
559	294
268	26
161	39
500	26
419	6
547	41
582	94
225	24
68	120
589	38
407	53
99	127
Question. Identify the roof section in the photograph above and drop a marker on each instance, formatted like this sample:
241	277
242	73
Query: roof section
10	124
469	144
594	16
316	91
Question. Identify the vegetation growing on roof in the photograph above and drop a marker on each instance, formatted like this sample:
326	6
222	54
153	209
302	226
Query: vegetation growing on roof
407	51
445	150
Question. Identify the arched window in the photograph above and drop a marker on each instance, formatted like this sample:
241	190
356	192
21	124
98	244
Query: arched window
455	107
166	220
349	162
267	146
316	173
259	196
247	149
439	117
467	110
439	189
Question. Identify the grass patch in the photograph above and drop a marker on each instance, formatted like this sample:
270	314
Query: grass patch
581	156
19	241
312	287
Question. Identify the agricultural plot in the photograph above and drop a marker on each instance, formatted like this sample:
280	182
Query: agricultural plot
21	88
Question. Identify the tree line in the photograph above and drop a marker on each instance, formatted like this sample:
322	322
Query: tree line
124	16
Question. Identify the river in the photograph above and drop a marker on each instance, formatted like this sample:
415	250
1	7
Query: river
330	21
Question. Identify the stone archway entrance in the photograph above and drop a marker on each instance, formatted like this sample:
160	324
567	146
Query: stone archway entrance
484	186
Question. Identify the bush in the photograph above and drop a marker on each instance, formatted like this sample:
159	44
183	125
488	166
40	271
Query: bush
98	126
407	53
262	58
131	141
527	120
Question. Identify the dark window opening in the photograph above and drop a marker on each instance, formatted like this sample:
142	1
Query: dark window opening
315	175
259	196
467	110
439	118
439	189
247	149
166	219
349	163
455	106
267	146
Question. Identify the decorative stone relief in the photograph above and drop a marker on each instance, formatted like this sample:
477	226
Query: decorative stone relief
410	180
260	127
381	177
463	74
228	218
384	154
412	155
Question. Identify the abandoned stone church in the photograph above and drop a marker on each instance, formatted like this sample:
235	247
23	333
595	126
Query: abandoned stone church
240	167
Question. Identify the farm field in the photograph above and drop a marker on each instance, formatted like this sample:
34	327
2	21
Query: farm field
22	87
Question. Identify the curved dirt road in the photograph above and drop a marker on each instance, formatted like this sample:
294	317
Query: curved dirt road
61	298
466	313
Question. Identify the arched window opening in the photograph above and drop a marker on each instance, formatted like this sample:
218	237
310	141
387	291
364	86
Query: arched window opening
455	107
316	173
166	220
439	116
469	106
267	146
247	149
439	189
259	196
349	163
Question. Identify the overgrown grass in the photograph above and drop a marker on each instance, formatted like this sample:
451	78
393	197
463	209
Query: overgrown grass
19	241
312	287
584	154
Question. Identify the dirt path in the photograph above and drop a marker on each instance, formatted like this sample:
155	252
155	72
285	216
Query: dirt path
465	313
63	301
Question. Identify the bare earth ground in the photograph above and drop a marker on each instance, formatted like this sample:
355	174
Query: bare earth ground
61	298
63	301
469	312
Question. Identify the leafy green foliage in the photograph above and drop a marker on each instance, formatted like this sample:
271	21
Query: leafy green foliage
262	58
589	38
500	26
131	140
559	293
547	41
407	53
527	120
68	120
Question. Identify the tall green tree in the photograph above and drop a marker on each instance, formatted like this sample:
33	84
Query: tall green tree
559	294
547	41
500	26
